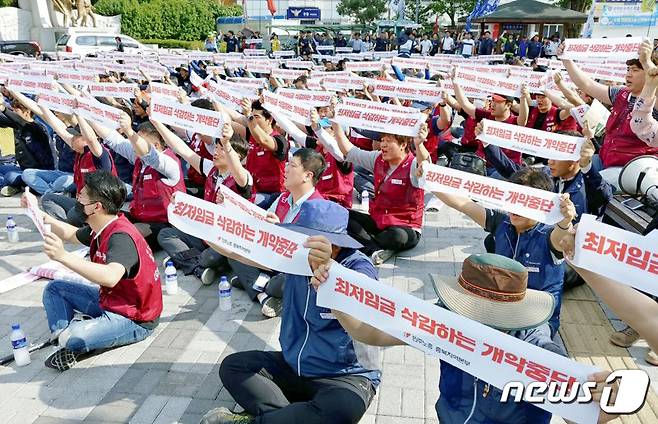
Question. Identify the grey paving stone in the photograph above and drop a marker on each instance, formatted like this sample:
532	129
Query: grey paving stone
118	407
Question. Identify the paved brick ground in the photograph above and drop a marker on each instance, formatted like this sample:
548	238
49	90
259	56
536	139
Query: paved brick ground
173	375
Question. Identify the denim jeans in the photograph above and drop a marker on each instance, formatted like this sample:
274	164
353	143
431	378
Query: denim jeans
10	175
106	329
44	181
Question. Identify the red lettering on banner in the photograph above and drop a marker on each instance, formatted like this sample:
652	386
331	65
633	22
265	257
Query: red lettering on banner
279	245
482	189
622	252
430	326
366	297
237	228
443	179
208	120
165	110
529	201
374	117
184	115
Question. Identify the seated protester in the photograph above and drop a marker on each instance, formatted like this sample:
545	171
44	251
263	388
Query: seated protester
191	254
158	174
90	156
545	116
439	139
302	175
463	397
620	144
396	211
531	243
310	380
182	79
31	144
585	186
201	144
268	150
124	301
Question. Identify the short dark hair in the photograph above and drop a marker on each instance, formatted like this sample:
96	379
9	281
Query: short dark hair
302	78
240	146
634	62
107	189
257	105
148	128
532	177
312	161
203	104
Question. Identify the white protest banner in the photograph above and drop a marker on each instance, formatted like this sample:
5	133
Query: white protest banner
60	102
385	55
377	120
315	98
227	96
77	77
343	83
364	66
534	142
247	89
470	88
245	205
321	74
604	72
97	68
493	84
33	212
325	48
235	63
95	111
299	64
195	79
536	83
344	50
384	107
284	53
405	90
538	205
409	63
295	110
253	41
30	85
108	89
199	120
198	55
252	83
626	257
587	48
229	226
466	344
490	58
37	73
578	113
260	67
288	74
255	52
161	89
550	63
216	70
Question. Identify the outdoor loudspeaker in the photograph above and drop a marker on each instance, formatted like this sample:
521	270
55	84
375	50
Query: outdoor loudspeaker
640	177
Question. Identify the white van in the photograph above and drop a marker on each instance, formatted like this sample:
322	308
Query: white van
84	43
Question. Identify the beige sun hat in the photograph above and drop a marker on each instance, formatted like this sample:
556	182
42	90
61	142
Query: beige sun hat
493	290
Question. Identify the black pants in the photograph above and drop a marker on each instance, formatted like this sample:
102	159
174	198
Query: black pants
362	227
149	230
248	274
266	387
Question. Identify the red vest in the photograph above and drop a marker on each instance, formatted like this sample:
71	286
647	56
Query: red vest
359	141
550	121
434	140
267	170
282	207
620	144
396	201
138	298
151	196
210	188
199	147
471	123
84	164
333	184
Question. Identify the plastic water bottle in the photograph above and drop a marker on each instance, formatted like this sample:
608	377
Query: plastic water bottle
365	200
19	343
12	231
171	279
225	303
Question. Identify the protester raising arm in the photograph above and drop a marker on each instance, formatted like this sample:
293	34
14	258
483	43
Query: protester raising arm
178	146
466	105
28	103
344	144
88	134
558	100
585	83
524	108
643	124
56	124
572	96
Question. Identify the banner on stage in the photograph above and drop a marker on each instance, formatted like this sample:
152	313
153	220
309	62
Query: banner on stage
481	351
588	48
626	257
118	90
100	113
377	120
199	120
405	90
534	142
228	226
538	205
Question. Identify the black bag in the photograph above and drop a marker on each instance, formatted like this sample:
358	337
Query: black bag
468	162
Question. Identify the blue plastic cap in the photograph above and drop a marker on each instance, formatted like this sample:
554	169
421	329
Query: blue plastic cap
223	278
10	217
15	326
170	263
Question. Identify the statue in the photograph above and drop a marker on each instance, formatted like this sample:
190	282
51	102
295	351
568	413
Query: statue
84	12
65	7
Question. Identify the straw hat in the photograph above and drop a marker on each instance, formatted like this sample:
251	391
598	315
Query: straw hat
493	290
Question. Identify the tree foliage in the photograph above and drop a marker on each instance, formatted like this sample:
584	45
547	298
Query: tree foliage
573	30
363	11
453	8
166	19
8	3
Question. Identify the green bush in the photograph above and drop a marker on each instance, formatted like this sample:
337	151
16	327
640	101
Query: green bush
8	3
175	44
185	20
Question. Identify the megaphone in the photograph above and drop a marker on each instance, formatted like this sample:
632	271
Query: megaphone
639	177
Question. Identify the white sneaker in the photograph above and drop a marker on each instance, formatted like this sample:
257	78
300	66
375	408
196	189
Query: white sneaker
208	276
380	256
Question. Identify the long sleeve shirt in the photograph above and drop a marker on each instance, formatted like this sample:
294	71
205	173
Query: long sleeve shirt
643	124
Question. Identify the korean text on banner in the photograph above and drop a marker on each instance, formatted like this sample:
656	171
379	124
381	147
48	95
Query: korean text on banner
228	226
118	90
405	90
626	257
226	96
30	85
166	90
32	211
202	121
459	341
295	110
384	107
376	120
314	97
587	48
538	205
59	102
95	111
544	144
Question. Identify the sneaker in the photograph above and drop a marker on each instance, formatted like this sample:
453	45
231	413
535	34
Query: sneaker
62	359
209	276
9	191
225	416
381	256
271	307
651	358
625	337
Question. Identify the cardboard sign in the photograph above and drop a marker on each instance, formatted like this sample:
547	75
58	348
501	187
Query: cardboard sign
587	48
626	257
405	90
377	120
199	120
538	205
59	102
534	142
95	111
295	110
120	90
312	97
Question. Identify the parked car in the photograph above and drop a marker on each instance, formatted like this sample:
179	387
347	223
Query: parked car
85	43
20	48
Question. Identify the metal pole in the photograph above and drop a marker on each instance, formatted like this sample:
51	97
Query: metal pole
417	9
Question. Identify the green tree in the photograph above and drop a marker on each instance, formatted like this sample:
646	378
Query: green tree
453	8
363	11
573	30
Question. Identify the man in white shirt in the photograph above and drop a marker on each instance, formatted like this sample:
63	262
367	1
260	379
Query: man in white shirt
425	45
447	44
467	45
